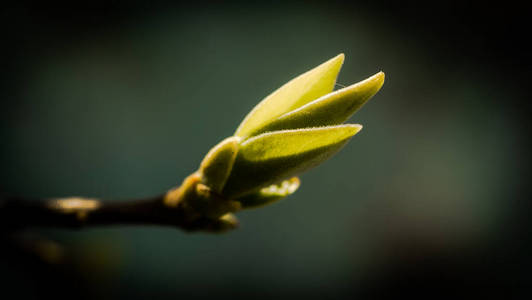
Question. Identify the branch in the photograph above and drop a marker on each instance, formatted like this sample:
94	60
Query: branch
76	212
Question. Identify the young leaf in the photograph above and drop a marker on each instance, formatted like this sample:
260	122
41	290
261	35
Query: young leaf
331	109
217	164
297	92
270	194
274	156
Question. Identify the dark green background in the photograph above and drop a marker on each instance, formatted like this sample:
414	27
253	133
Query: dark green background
123	101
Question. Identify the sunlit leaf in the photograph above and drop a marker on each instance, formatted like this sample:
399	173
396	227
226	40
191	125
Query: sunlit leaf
331	109
274	156
297	92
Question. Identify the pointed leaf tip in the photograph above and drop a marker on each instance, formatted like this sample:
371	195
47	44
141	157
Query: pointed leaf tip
283	143
297	92
331	109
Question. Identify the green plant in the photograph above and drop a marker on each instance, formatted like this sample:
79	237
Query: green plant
292	130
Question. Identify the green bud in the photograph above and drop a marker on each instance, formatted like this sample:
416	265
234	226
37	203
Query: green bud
295	128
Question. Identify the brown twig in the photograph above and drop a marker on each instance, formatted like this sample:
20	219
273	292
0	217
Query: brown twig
76	212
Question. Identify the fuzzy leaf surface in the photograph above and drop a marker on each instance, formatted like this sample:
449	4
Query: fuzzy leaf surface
274	156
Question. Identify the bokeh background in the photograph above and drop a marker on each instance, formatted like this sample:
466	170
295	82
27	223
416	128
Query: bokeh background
122	100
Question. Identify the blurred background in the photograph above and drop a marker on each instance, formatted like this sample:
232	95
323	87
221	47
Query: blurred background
122	100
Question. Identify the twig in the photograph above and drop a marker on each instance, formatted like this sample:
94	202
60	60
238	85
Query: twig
76	212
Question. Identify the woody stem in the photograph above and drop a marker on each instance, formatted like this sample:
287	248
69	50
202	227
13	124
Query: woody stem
76	212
